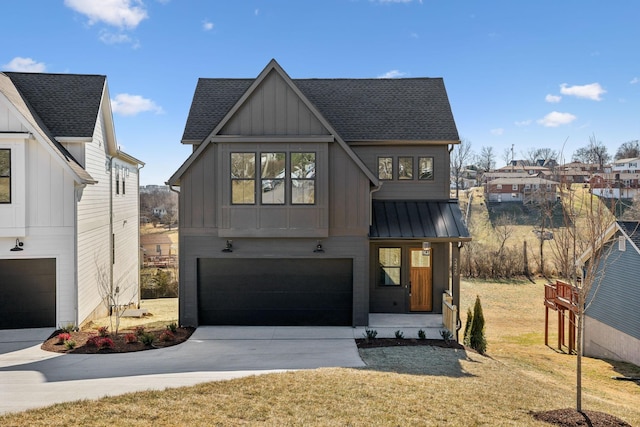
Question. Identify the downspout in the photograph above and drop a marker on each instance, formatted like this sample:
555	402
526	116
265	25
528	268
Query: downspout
138	235
78	189
111	236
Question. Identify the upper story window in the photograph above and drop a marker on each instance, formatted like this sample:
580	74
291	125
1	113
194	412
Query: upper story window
278	179
514	187
243	178
405	167
303	178
117	180
272	167
385	168
426	168
5	175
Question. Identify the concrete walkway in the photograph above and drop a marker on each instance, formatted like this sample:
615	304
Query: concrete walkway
33	378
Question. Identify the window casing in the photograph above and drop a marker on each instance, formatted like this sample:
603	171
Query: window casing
279	179
405	168
385	168
117	180
5	175
303	178
425	165
243	178
390	260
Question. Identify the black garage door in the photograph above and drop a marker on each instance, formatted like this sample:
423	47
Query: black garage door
291	292
27	293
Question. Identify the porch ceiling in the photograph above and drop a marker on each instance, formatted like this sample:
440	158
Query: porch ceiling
418	219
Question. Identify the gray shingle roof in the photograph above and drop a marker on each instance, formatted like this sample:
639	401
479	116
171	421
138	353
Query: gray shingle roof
632	229
67	104
358	109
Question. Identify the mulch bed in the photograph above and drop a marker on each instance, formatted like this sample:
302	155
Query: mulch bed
396	342
119	344
570	417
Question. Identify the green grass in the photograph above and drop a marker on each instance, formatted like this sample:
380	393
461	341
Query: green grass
520	374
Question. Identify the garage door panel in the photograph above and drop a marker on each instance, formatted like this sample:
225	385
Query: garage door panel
28	288
275	291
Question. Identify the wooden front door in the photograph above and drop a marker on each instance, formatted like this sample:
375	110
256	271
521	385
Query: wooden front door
420	276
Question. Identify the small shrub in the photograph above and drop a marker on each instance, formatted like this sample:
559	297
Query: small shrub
105	342
130	338
69	344
399	334
167	336
477	339
370	334
422	335
69	327
173	327
94	341
103	331
147	338
467	328
446	335
138	330
64	336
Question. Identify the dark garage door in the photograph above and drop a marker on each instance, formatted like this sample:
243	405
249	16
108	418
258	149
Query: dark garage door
28	293
291	292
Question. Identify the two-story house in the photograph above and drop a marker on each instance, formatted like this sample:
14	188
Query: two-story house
69	214
316	201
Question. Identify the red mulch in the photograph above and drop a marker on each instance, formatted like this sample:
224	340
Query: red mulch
570	417
119	344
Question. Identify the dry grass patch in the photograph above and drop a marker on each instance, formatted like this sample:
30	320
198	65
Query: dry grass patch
161	312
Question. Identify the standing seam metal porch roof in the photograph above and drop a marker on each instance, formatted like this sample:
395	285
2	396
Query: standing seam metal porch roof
418	219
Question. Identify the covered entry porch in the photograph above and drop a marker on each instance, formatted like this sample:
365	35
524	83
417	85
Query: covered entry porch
414	270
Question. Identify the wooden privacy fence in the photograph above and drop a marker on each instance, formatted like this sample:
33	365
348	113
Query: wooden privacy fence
449	313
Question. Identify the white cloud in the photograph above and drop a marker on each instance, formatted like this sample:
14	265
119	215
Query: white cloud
497	131
634	81
591	91
554	99
393	74
25	65
130	105
207	26
118	13
108	37
256	12
555	119
523	123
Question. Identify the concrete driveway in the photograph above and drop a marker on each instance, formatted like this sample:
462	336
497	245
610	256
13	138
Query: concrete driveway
32	378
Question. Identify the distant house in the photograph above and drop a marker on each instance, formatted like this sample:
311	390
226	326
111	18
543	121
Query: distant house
612	317
158	250
620	180
316	201
68	201
520	189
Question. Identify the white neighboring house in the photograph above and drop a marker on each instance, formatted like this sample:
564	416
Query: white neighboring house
69	202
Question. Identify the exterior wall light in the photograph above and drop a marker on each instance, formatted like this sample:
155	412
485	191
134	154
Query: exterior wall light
18	246
228	247
319	248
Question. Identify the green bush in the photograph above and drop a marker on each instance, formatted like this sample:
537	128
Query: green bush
147	338
467	328
477	339
422	335
399	334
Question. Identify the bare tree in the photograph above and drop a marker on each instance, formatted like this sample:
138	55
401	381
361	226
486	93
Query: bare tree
586	222
628	150
487	159
594	153
534	154
112	294
460	156
633	212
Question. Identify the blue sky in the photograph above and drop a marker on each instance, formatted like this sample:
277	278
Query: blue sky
531	74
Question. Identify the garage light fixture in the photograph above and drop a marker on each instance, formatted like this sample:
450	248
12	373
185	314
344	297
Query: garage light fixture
18	246
228	247
319	248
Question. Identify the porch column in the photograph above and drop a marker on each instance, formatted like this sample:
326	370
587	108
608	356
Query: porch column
455	278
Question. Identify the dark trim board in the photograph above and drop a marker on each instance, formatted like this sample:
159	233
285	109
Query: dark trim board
275	292
28	289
